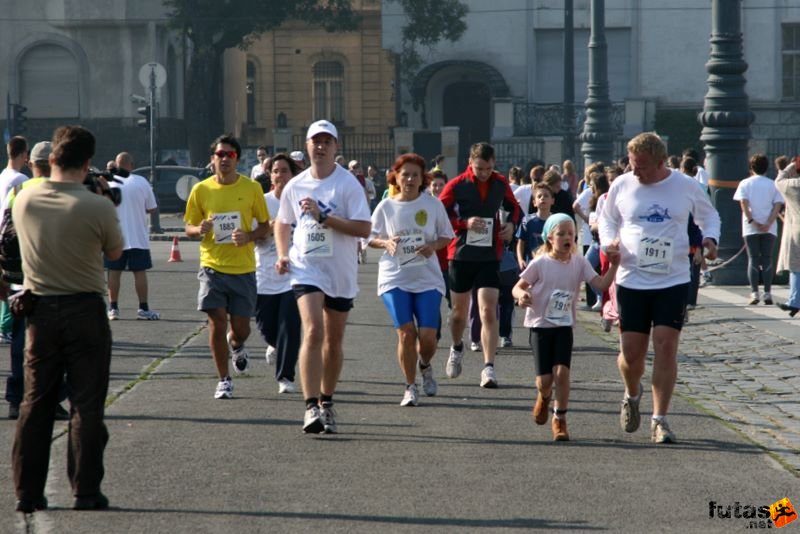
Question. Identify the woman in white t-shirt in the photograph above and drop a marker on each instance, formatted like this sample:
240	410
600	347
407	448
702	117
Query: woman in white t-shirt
411	226
761	203
548	288
277	317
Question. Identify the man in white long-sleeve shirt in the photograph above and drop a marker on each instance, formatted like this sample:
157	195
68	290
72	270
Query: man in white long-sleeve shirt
647	212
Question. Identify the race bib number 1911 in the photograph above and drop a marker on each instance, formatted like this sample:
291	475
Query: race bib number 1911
559	308
654	254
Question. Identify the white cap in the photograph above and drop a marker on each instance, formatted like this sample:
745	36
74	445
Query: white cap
297	156
322	127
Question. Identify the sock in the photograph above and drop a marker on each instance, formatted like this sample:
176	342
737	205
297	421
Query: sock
409	386
659	418
490	364
423	366
637	397
326	400
559	413
459	347
311	402
113	306
144	306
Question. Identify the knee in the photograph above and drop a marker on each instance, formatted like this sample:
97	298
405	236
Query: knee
314	334
561	372
407	335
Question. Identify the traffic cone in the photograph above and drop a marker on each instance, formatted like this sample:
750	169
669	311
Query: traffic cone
174	252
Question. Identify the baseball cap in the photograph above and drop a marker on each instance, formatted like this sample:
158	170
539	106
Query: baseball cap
41	151
322	127
297	156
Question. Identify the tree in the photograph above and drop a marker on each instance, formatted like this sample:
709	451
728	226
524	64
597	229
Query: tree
210	27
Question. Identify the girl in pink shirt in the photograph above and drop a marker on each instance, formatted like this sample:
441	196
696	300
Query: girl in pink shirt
548	288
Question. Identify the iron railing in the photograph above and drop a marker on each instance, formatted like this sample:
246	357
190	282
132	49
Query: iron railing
534	119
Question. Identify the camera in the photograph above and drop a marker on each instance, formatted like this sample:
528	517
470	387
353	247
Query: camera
95	185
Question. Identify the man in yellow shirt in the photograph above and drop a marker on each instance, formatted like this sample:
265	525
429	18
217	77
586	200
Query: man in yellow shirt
221	210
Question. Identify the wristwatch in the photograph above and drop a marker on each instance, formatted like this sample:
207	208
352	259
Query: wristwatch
322	217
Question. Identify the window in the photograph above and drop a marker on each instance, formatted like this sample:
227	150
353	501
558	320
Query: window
251	93
790	52
328	91
49	85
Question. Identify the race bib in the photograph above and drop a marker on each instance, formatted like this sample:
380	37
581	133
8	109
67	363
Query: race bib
655	254
318	242
481	238
559	308
406	254
224	225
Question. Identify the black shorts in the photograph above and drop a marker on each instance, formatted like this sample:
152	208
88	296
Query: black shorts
642	309
468	275
132	259
551	347
339	304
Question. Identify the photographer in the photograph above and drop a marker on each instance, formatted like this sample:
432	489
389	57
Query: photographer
63	231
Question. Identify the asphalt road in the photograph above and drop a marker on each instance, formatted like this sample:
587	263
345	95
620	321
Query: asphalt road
469	459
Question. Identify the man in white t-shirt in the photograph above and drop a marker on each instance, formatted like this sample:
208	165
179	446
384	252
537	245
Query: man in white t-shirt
138	201
330	212
12	177
761	203
647	212
258	169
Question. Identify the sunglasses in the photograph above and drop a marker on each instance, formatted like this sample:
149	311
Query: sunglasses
222	153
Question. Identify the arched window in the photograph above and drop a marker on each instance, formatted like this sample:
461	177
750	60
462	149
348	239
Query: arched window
328	91
251	93
49	84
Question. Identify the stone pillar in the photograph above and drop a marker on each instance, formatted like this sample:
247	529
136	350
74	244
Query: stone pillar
282	140
553	148
598	133
450	150
503	118
726	120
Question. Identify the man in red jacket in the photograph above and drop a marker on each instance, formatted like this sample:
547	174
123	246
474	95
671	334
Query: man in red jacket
484	213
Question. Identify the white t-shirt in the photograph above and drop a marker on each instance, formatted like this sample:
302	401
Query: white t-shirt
268	280
420	221
585	234
256	171
651	222
762	195
9	179
555	288
523	196
137	198
321	256
702	176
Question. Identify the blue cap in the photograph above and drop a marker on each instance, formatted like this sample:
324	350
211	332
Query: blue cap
553	221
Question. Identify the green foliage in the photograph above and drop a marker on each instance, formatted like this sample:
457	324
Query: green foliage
429	21
681	127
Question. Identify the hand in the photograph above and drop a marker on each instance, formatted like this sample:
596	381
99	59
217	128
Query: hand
476	223
240	237
206	226
390	245
282	265
522	264
525	301
763	228
613	253
507	232
711	248
310	206
425	250
698	257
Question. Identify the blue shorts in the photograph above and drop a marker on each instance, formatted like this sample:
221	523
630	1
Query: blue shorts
132	259
403	307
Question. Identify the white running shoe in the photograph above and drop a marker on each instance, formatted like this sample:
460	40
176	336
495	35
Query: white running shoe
597	306
475	347
411	396
453	367
506	342
147	315
312	421
328	416
429	385
488	377
286	386
270	355
113	314
224	389
239	357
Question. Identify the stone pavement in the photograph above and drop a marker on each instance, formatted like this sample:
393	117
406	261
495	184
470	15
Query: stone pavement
467	460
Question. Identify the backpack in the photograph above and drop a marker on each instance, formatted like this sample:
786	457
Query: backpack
10	257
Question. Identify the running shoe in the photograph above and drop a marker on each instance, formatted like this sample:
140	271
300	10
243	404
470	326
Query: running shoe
559	426
506	342
488	378
328	415
660	432
147	315
453	367
768	299
606	324
312	421
629	417
429	385
475	347
113	314
239	357
597	306
224	389
541	409
411	396
753	298
286	386
270	355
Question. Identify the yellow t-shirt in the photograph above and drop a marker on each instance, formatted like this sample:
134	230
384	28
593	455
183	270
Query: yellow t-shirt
231	206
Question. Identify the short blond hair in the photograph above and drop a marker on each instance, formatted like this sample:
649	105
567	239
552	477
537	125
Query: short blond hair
648	143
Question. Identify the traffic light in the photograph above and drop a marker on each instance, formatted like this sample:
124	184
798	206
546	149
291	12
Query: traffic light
145	122
20	119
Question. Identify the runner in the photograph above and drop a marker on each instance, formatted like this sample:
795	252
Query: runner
331	214
410	228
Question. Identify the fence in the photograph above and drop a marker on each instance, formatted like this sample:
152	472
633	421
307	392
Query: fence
517	151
